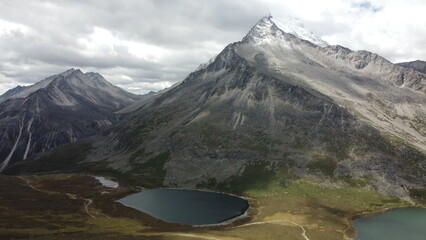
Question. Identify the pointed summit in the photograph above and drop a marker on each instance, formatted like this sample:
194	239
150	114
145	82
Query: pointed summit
71	72
264	29
270	26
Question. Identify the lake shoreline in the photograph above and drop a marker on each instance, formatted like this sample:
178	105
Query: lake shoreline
406	219
330	216
365	214
251	212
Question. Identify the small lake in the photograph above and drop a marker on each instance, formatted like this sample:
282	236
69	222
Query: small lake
107	182
187	206
396	224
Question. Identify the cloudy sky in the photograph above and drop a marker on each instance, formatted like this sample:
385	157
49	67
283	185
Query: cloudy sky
144	45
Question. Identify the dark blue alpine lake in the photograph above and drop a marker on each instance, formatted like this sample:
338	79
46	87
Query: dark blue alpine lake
187	206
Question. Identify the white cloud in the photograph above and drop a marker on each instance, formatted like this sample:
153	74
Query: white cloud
10	28
103	42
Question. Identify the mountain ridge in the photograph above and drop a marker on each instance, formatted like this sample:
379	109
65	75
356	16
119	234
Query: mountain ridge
60	109
356	76
281	101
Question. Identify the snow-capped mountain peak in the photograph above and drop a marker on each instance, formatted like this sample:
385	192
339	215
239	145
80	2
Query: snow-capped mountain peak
262	30
295	26
270	26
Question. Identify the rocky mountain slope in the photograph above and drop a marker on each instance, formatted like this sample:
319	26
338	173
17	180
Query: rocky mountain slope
417	65
271	102
60	109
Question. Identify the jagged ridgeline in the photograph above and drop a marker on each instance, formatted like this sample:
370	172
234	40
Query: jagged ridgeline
273	107
60	109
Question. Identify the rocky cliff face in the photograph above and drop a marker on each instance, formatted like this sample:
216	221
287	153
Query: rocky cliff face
59	109
279	102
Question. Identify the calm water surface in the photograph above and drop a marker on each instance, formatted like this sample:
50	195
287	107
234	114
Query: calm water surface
187	206
396	224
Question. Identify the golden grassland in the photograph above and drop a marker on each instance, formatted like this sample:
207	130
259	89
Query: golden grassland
78	207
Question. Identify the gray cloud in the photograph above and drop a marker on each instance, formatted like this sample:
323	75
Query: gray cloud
188	29
145	45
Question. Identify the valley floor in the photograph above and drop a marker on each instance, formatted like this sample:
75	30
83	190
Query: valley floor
79	207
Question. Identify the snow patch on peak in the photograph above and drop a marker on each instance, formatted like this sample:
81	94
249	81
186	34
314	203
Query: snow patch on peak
261	31
295	26
268	27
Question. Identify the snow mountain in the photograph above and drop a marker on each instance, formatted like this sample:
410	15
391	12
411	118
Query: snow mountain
277	100
267	28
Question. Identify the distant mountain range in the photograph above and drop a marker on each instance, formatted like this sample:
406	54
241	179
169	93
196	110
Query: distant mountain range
417	65
60	109
275	101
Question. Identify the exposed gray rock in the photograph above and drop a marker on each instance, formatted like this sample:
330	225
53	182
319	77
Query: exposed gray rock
60	109
282	101
233	112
